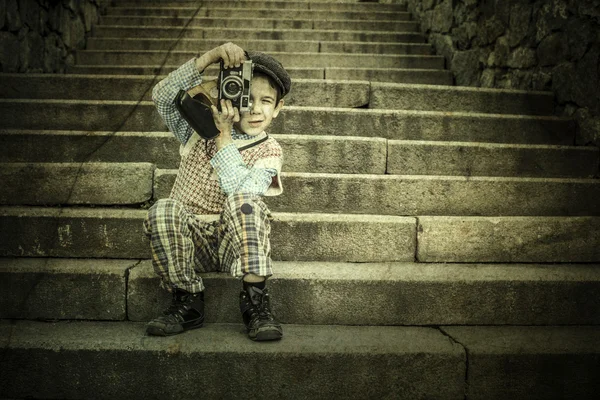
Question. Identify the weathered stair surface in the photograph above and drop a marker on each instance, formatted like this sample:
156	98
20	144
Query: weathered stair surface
428	236
367	362
123	289
315	153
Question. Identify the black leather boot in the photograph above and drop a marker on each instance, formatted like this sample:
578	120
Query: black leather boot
257	315
185	312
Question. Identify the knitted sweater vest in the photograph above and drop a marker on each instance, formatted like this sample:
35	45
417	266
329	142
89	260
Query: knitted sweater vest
197	184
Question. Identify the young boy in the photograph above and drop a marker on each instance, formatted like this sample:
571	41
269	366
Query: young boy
226	176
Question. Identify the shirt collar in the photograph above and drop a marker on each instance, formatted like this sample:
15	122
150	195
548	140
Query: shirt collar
240	136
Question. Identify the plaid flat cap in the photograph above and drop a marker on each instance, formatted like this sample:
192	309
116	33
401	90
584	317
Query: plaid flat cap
270	66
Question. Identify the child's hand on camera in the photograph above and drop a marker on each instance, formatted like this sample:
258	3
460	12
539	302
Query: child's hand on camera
232	55
224	121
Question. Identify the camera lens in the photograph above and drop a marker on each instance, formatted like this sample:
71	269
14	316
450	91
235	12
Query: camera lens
232	87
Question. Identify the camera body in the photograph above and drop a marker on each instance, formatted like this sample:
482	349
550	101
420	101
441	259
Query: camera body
234	85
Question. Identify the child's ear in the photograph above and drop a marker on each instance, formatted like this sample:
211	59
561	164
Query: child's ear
278	108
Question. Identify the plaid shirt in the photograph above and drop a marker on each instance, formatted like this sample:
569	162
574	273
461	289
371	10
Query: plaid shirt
234	176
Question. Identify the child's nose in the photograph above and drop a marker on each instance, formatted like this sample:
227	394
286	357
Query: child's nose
254	108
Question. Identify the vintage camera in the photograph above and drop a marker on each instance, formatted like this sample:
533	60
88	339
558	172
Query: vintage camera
234	85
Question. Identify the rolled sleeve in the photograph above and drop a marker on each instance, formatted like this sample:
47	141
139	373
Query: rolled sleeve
235	177
183	78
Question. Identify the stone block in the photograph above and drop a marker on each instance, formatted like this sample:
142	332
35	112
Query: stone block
333	154
436	195
465	65
508	239
118	233
424	125
86	183
305	92
538	362
13	17
316	293
552	50
288	59
519	25
9	50
522	58
424	77
2	13
410	157
53	49
257	34
425	195
326	93
499	56
72	233
30	14
36	288
313	362
459	99
443	16
349	238
392	124
32	52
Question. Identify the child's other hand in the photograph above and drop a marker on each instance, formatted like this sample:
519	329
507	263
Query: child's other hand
232	55
224	121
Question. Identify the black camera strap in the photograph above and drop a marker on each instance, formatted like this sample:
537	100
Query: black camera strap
246	147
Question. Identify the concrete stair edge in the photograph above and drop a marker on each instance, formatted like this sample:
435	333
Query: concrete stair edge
427	362
392	124
310	292
117	233
437	366
310	192
327	92
318	153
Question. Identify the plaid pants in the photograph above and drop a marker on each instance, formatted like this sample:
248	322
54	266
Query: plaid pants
183	246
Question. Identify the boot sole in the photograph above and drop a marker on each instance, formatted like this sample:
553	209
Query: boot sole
154	330
266	334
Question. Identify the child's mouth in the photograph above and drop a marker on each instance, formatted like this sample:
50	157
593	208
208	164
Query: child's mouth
254	123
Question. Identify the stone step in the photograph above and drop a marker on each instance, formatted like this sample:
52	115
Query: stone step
457	99
274	5
323	93
508	239
293	46
414	195
410	157
411	195
76	183
325	154
530	362
181	12
264	23
305	92
241	33
303	153
390	124
418	76
295	73
117	233
71	360
312	293
312	60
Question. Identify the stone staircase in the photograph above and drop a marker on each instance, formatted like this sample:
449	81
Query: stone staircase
432	242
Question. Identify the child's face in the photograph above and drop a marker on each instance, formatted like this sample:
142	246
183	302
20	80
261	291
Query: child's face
264	108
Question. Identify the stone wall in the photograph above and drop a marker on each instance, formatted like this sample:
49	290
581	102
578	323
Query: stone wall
43	35
551	45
